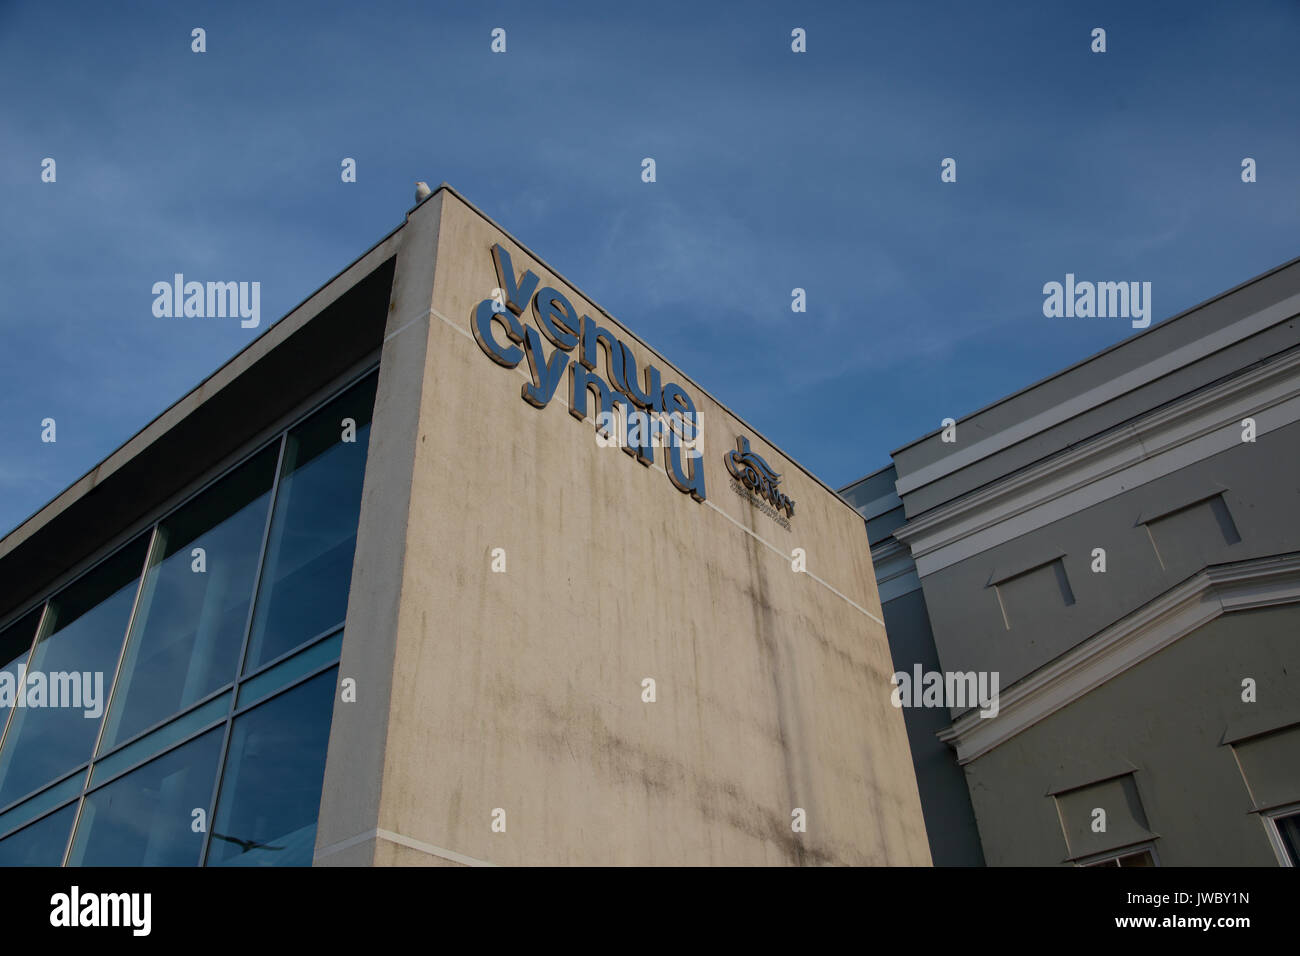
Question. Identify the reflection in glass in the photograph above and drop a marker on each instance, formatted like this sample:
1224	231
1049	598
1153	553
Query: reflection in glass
146	818
42	843
308	566
15	642
49	798
270	791
82	638
193	609
179	660
1288	829
156	741
289	670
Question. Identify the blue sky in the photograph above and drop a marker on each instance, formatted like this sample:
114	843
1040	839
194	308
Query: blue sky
775	170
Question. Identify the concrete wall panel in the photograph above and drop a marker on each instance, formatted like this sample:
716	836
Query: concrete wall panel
522	690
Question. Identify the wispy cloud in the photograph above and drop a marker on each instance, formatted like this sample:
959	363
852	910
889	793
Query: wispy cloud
775	171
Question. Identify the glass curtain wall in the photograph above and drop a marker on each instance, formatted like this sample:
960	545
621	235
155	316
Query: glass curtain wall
171	706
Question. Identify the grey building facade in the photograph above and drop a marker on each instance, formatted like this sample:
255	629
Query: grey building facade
1119	544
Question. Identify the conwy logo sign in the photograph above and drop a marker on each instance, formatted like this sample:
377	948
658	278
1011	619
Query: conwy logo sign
634	404
757	477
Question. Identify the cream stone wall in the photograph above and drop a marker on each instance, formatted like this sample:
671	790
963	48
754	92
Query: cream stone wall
522	691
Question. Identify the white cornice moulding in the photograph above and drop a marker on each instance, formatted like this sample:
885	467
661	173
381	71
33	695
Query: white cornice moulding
1189	430
1218	590
1113	388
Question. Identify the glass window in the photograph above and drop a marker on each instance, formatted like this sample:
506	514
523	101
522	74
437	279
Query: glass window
150	665
147	818
308	566
170	733
189	628
290	669
270	791
1288	831
42	843
15	642
69	788
70	672
1140	858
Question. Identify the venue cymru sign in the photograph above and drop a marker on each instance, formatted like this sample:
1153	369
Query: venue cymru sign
633	409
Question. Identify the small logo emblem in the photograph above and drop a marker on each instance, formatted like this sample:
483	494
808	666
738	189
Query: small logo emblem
757	476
